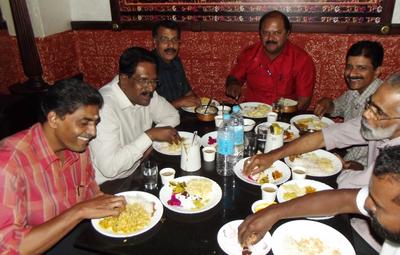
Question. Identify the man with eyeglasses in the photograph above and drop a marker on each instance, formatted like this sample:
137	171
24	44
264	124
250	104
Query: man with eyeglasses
363	66
378	127
173	84
131	106
273	68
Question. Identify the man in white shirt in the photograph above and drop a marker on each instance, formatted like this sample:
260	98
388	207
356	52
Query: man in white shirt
380	200
131	105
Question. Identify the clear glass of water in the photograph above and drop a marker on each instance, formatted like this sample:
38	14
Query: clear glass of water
250	144
150	174
262	132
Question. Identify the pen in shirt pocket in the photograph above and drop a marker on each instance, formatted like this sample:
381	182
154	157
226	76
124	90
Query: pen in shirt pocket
80	188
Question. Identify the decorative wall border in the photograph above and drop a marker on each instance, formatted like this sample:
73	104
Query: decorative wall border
154	10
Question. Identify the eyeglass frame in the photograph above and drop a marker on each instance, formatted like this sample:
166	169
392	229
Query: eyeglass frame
144	82
376	111
165	40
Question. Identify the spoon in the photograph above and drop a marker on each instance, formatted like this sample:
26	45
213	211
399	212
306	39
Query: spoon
194	136
208	105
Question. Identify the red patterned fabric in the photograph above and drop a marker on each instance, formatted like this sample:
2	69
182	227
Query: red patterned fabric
207	57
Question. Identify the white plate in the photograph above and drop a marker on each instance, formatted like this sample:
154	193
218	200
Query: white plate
163	147
312	168
283	236
249	106
277	165
192	108
166	192
285	126
204	139
227	238
128	196
302	183
317	119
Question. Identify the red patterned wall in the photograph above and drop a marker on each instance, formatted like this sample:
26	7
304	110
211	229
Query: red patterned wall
207	56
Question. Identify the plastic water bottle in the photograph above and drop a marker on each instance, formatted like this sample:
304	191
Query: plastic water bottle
237	125
225	151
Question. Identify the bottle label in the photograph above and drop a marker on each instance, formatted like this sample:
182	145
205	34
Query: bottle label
225	147
239	134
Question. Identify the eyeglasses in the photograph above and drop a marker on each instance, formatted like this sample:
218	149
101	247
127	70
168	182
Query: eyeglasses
165	40
143	82
377	112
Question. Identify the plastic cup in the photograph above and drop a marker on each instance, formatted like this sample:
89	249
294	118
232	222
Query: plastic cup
298	173
272	117
218	120
268	192
167	174
209	153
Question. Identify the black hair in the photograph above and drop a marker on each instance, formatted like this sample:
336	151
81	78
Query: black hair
66	96
274	14
388	162
167	24
131	57
369	49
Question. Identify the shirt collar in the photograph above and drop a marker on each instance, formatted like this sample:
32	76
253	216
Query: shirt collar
123	100
360	99
44	153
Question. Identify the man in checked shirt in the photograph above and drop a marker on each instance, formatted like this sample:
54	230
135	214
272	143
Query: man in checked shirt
363	66
47	181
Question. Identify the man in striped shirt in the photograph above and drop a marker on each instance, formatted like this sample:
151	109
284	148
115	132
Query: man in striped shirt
47	181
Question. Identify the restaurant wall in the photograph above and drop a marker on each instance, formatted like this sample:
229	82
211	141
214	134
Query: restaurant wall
207	56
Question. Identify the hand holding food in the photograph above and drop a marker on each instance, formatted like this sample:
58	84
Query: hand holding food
164	134
257	164
324	105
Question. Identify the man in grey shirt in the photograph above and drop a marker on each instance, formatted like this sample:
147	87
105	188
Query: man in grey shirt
363	66
379	127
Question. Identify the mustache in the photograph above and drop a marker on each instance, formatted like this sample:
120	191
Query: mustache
170	50
354	78
270	42
146	93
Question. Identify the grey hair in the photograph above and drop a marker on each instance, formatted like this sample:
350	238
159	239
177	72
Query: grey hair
394	80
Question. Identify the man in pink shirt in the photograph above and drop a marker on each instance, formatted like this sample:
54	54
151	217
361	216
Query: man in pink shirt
273	68
47	181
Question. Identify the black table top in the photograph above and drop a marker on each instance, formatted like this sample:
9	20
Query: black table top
189	234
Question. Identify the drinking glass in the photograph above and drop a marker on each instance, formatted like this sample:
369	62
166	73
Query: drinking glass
150	173
250	144
262	132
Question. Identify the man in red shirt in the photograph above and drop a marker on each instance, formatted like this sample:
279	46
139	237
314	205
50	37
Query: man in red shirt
273	68
47	181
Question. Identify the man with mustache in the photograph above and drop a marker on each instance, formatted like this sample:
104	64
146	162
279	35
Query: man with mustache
173	84
47	184
379	127
273	68
380	200
363	66
131	106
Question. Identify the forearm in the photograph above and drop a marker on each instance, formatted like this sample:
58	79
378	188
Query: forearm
231	80
306	143
323	203
44	236
303	103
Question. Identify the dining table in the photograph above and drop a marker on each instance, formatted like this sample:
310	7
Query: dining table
190	234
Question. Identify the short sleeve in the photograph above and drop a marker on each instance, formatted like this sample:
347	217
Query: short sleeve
361	198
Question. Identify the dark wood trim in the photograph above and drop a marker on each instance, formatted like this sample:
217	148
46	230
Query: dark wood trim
3	23
27	46
388	7
115	14
243	27
91	25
